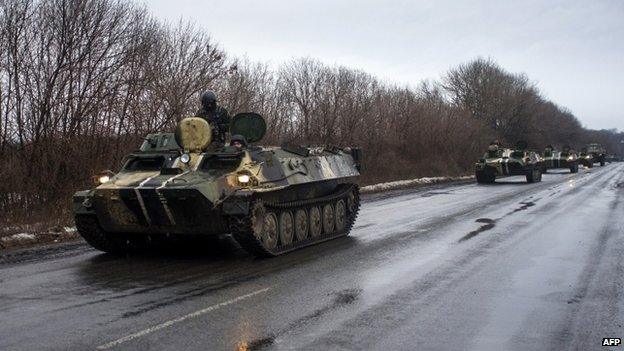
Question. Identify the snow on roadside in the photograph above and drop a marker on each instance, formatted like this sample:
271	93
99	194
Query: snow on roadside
23	239
408	183
19	237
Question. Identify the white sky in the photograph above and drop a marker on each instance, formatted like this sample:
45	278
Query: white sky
573	50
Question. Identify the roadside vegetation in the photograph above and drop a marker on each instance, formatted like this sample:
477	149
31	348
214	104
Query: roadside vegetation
81	82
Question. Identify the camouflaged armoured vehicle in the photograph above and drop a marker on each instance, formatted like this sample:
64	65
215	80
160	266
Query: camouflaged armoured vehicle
271	199
554	159
503	162
586	159
598	153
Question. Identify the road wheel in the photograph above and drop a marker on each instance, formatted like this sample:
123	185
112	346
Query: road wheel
353	201
534	176
341	215
89	228
329	219
286	228
270	231
353	207
485	178
316	224
301	225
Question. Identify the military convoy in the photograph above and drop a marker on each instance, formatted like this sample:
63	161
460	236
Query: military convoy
272	200
500	162
565	159
503	162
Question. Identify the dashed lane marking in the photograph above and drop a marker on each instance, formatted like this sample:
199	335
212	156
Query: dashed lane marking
178	320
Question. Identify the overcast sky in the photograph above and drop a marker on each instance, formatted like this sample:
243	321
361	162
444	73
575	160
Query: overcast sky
573	50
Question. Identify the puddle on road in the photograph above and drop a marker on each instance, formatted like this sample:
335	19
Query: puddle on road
524	205
346	297
576	299
489	224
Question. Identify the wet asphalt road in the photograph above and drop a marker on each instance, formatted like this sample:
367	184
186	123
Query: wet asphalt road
511	266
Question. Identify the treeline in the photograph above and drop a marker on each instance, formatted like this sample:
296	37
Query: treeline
82	81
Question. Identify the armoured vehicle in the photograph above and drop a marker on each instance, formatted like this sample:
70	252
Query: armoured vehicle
586	159
502	162
270	199
553	159
598	153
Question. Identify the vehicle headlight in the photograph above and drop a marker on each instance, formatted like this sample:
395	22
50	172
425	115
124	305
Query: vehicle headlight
571	158
103	179
185	158
243	178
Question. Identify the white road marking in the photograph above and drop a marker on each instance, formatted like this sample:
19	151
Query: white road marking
178	320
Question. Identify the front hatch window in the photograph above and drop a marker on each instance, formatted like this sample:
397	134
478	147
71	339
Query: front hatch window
153	163
218	165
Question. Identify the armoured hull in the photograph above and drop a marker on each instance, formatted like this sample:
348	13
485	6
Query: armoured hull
560	160
508	162
183	211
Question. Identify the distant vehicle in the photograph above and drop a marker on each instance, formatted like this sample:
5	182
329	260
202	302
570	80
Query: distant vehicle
598	153
502	162
271	199
553	159
586	159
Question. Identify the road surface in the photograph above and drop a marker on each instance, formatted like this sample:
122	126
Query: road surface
510	266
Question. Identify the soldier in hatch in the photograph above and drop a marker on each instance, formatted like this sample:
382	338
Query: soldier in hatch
217	116
238	141
493	149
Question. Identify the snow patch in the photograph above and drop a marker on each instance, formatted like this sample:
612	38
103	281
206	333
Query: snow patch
400	184
19	237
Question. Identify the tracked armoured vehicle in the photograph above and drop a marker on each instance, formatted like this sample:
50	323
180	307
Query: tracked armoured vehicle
554	159
598	153
503	162
271	199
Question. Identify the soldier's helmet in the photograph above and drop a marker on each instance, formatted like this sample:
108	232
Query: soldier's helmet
493	147
238	139
209	100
